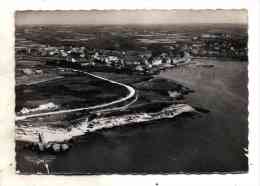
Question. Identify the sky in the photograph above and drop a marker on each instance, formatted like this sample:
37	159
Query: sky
97	17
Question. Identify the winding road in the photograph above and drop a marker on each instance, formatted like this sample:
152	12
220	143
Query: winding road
130	95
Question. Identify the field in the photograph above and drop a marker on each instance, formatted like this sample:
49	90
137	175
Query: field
71	91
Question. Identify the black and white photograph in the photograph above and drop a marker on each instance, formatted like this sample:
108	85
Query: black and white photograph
102	92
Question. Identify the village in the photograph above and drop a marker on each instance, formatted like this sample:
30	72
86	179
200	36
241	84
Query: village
148	60
141	62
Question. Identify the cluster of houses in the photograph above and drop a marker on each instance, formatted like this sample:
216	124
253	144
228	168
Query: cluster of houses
135	61
219	45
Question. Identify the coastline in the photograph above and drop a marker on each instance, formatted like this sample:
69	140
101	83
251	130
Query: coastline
48	136
56	135
195	139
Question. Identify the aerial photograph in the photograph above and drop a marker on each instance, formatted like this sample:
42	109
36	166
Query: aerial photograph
101	92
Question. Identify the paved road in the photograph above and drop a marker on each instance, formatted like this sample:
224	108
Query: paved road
130	89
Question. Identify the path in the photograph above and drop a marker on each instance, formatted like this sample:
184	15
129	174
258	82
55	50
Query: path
130	89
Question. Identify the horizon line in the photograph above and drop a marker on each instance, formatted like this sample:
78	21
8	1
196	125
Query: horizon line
126	24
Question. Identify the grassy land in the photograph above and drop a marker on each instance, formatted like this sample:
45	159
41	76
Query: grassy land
72	90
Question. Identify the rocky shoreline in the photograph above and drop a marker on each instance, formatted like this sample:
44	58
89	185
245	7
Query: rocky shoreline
45	138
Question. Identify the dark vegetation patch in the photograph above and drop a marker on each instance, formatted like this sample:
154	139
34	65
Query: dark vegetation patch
162	85
69	92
